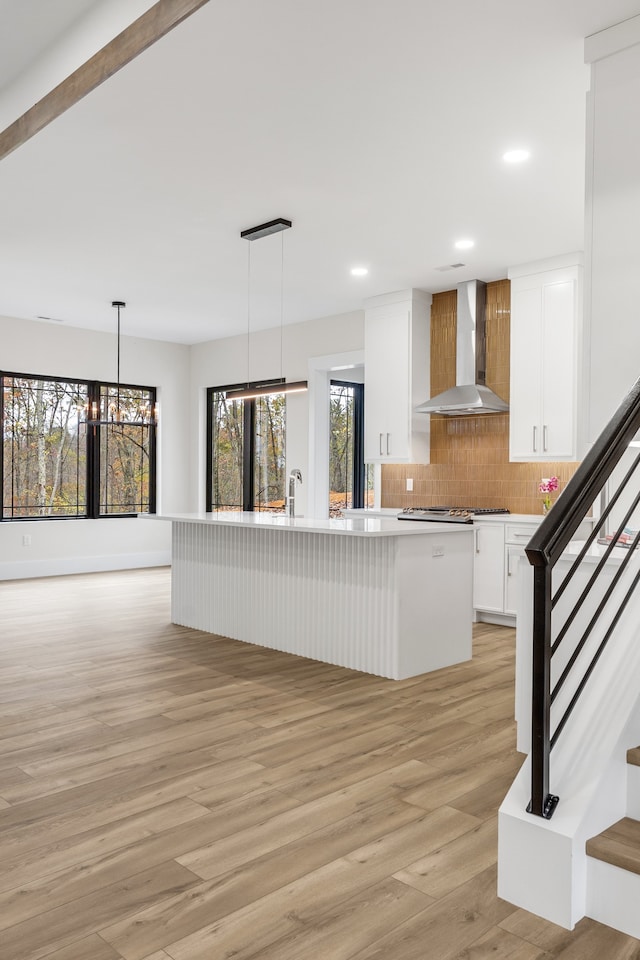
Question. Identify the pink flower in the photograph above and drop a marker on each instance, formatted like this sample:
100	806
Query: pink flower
548	484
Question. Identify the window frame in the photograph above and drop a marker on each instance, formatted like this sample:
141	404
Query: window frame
248	446
359	469
93	462
93	435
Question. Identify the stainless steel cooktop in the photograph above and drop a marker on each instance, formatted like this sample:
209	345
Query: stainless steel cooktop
448	514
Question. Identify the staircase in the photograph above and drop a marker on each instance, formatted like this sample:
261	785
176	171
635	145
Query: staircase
569	828
613	863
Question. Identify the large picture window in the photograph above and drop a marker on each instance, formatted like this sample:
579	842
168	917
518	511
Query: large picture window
54	465
44	455
245	452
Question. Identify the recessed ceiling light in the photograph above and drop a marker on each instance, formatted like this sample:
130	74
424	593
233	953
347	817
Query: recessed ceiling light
464	244
516	156
359	271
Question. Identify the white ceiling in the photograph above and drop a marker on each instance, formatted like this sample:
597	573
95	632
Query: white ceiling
30	27
376	126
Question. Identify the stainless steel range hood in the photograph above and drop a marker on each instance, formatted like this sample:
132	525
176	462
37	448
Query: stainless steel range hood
471	395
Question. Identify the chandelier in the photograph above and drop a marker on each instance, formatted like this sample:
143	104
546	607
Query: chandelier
116	407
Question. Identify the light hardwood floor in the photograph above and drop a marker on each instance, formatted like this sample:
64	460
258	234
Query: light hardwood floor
170	795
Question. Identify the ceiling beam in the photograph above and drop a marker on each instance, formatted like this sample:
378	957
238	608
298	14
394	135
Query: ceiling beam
162	17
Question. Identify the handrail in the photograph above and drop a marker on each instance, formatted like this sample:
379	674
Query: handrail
543	551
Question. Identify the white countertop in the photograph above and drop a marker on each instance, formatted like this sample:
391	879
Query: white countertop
384	512
595	553
387	512
352	526
532	518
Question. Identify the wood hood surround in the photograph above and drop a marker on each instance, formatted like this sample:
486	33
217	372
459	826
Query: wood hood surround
470	455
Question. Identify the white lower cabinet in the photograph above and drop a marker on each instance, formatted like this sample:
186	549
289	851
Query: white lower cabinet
513	554
499	548
499	551
488	567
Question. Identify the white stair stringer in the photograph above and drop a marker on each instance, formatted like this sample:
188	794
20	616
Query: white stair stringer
613	877
633	792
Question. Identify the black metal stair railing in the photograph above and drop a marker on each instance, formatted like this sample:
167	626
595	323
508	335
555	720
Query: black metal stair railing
543	551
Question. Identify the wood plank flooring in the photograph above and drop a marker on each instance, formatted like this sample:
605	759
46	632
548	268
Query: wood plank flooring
170	795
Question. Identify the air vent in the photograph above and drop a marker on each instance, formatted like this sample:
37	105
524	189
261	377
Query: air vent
450	266
51	319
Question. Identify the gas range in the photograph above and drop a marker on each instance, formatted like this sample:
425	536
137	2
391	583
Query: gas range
448	514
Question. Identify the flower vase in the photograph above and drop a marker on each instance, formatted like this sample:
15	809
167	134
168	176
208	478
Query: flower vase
547	486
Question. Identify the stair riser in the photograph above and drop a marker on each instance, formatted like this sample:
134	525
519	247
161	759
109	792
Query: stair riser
633	791
613	896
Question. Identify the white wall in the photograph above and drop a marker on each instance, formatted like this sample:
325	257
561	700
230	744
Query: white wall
68	546
181	375
219	362
612	247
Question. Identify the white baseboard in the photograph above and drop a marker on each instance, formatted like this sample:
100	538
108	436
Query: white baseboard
501	619
60	566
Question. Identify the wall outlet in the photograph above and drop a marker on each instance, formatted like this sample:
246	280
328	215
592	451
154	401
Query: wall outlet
437	550
26	539
409	484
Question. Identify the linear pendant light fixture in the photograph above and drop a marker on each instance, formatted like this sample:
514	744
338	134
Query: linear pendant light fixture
266	229
280	385
110	410
268	389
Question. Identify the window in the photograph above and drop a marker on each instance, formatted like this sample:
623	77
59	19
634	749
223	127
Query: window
225	452
350	479
44	454
245	452
127	454
55	466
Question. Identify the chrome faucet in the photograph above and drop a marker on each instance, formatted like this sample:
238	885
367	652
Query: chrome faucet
291	499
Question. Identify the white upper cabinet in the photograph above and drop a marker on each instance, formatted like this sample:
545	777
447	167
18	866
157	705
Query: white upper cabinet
396	358
546	345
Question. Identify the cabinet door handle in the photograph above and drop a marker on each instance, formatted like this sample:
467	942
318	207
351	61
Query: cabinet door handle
381	450
535	439
527	535
388	444
477	537
544	438
508	563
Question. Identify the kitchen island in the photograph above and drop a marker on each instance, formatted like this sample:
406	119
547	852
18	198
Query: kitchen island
388	597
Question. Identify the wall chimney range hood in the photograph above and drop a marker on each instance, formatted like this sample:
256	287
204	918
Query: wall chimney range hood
471	395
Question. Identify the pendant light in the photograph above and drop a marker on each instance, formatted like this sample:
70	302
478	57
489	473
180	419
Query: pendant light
279	385
109	411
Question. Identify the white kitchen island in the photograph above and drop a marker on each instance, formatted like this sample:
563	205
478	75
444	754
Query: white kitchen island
388	597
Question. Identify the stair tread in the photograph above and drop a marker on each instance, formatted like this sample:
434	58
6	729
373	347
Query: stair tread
619	845
633	756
